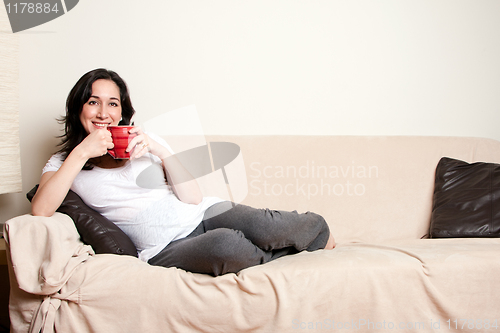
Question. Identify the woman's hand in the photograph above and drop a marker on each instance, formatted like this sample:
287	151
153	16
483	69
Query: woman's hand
142	143
96	144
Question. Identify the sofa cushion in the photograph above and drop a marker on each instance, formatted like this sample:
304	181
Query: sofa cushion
466	200
94	229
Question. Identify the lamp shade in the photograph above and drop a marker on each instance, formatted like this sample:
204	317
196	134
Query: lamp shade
10	160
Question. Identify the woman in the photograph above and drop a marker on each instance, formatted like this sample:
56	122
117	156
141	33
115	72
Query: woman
173	225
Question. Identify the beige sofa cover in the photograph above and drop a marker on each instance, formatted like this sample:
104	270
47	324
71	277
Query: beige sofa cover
375	193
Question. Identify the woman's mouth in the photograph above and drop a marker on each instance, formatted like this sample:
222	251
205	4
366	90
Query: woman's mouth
100	125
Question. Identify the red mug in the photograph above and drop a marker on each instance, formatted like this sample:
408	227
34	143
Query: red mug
121	138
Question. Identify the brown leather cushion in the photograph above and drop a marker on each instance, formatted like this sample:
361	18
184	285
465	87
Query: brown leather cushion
466	200
94	229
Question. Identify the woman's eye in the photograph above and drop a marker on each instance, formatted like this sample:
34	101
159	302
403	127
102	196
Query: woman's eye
92	102
113	104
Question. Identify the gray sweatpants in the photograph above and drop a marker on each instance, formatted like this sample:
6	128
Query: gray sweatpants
241	237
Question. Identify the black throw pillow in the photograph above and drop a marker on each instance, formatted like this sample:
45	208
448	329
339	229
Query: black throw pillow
466	200
94	229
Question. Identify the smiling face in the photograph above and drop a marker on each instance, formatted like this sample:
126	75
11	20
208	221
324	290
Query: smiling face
103	107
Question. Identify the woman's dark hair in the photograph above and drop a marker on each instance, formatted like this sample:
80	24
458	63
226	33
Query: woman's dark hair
74	133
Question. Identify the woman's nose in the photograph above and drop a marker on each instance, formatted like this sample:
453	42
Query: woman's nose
103	113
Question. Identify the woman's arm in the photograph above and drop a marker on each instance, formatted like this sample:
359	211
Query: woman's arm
183	184
54	185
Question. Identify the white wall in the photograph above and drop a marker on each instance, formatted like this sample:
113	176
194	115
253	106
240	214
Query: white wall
367	67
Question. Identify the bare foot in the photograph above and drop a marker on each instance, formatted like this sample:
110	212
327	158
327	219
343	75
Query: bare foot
331	243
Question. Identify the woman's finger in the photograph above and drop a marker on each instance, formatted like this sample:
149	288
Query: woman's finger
139	150
136	129
135	141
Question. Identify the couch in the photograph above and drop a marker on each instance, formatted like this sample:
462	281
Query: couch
397	266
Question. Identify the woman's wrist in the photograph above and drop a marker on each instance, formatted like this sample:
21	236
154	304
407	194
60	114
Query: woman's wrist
159	151
79	154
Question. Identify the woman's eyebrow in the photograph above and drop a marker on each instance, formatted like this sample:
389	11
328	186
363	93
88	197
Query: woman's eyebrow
97	97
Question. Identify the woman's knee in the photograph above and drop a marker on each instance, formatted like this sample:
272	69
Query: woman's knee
323	232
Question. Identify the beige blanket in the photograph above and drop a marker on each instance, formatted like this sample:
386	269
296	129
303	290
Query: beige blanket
419	285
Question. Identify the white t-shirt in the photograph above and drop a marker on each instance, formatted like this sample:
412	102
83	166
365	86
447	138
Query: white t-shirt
152	217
